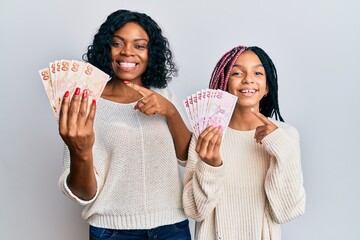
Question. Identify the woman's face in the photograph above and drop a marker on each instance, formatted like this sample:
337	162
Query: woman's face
129	52
247	80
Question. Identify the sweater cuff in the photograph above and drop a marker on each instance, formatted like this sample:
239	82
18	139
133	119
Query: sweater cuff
274	136
279	143
182	162
68	191
206	169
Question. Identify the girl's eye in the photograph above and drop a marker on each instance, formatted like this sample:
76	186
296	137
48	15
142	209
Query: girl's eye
259	73
236	73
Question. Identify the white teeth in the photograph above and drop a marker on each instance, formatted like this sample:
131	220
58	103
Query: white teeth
127	64
248	91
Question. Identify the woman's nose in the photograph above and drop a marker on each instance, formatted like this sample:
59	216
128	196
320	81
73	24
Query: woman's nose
126	51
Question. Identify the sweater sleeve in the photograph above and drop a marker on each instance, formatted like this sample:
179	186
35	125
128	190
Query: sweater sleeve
179	106
168	93
284	180
203	185
63	185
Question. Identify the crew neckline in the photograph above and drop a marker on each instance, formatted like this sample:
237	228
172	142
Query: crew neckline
241	131
117	103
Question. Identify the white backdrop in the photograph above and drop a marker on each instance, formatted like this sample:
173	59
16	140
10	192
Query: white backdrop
314	44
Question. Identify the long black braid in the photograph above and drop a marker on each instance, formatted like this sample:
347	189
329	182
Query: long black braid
269	104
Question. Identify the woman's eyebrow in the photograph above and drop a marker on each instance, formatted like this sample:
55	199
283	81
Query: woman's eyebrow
135	40
117	36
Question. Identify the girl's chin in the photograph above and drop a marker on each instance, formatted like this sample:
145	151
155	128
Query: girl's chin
247	106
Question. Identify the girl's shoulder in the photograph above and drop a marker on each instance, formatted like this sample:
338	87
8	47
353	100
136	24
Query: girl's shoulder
286	127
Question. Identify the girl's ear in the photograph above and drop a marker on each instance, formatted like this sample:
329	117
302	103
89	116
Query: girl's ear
266	90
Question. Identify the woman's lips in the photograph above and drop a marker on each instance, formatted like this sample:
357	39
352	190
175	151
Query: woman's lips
126	66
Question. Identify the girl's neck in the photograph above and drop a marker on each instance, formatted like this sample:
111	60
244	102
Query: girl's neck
243	119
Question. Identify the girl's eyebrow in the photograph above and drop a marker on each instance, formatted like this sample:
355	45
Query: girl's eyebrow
256	66
137	39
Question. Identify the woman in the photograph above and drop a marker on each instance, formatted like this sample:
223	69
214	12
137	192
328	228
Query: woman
122	164
244	184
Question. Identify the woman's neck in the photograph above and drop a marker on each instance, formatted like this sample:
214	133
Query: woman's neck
117	91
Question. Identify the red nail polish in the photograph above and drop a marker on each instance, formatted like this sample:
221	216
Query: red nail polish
126	81
93	102
66	94
77	91
85	94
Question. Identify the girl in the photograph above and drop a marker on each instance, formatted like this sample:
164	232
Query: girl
243	186
123	164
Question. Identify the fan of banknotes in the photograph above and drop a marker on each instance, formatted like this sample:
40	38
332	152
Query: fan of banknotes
209	107
67	75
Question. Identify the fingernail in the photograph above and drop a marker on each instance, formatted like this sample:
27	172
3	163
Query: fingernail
77	91
126	81
85	94
66	94
93	102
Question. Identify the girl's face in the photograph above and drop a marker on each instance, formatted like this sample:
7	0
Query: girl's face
247	80
129	52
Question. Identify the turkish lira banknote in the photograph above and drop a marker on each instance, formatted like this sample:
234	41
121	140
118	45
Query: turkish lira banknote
67	75
209	107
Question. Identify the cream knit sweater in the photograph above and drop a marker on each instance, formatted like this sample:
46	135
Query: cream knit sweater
137	172
258	187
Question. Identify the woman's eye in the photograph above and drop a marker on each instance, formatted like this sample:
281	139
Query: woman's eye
140	47
117	44
259	73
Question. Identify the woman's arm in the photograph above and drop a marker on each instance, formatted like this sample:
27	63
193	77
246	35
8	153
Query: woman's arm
179	132
76	129
154	103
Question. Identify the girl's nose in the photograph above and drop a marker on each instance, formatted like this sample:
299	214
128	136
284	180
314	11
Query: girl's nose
247	79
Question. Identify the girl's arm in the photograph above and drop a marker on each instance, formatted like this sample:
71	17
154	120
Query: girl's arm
203	183
284	181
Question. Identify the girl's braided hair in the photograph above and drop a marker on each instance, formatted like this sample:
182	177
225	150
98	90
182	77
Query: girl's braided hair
269	105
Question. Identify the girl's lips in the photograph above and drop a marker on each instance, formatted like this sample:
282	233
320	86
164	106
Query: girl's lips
247	92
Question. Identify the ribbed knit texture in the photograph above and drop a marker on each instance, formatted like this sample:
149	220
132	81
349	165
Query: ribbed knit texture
258	187
139	184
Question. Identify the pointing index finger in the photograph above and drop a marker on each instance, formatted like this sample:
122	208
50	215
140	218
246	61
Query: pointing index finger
142	90
261	117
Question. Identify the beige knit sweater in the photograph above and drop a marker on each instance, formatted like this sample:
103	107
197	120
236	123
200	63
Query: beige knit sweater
258	187
137	172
